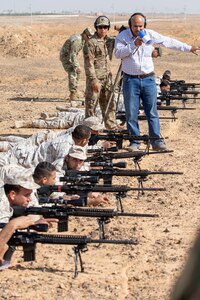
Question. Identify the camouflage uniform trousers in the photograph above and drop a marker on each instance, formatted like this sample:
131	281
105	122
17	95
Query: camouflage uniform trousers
9	142
73	77
92	99
64	120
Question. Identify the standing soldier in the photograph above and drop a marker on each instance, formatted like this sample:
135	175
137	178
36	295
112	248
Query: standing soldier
97	56
68	57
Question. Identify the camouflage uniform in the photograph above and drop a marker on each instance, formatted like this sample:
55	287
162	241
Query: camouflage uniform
68	57
63	120
14	174
28	154
5	210
97	55
9	142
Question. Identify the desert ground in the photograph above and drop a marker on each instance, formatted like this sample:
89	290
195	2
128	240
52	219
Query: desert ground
33	81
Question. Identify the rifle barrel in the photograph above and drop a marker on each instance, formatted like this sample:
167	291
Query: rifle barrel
136	154
118	172
80	189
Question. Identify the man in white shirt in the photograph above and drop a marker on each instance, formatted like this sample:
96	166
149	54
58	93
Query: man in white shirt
138	75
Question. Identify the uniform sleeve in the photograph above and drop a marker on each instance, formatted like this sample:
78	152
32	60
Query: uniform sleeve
76	47
168	42
5	209
89	58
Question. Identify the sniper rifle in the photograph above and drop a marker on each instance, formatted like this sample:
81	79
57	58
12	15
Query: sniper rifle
62	213
28	241
84	189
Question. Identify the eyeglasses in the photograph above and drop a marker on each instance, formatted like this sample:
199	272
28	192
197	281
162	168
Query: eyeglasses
102	27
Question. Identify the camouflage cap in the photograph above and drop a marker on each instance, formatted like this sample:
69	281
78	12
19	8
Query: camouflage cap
16	175
93	123
78	152
88	31
102	20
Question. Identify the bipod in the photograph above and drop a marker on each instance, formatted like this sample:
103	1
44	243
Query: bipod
101	223
136	161
141	179
77	258
118	200
173	112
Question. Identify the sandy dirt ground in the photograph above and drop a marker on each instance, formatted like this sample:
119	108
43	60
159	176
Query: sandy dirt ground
32	78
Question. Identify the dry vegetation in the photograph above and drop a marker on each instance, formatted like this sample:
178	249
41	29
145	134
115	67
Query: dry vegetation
31	71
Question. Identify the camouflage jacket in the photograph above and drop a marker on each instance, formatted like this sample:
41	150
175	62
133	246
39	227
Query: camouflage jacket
70	50
5	210
97	56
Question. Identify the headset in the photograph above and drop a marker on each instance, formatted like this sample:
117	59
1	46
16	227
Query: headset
96	22
135	14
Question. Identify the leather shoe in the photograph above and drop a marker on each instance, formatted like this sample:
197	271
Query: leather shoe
159	147
133	148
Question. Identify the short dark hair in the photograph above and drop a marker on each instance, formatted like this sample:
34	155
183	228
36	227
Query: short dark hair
81	132
164	82
11	187
43	169
167	75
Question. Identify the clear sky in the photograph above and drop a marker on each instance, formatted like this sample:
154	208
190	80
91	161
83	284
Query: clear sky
115	6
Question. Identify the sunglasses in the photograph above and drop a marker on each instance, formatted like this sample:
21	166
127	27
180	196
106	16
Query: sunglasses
102	27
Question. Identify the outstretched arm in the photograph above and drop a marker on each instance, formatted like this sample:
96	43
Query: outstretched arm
9	229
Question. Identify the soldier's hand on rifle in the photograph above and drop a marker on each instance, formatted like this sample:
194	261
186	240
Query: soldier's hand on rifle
72	197
47	221
108	144
16	223
97	199
194	49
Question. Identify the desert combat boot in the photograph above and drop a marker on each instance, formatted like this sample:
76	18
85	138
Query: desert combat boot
23	124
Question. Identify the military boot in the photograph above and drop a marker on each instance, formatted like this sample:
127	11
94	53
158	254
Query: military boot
47	115
22	124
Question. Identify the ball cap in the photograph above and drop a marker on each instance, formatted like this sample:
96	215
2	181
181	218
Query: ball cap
93	123
102	20
78	152
16	175
88	31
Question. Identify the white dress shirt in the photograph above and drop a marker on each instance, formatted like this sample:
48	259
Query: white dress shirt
138	60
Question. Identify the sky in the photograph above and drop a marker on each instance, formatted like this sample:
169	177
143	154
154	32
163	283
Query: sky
114	6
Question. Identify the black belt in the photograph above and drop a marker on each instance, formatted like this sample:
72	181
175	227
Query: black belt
141	76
